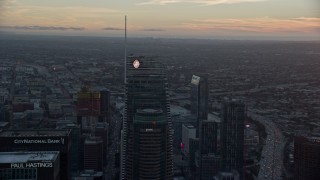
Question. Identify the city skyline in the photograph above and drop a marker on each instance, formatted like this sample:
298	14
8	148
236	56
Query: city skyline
213	19
67	94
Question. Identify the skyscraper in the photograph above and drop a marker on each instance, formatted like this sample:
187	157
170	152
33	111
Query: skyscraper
234	175
93	154
210	135
199	100
146	151
199	111
30	165
193	148
232	135
188	131
209	147
105	105
75	136
306	158
40	140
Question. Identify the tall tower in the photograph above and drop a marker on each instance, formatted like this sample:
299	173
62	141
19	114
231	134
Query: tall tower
232	135
199	100
306	158
210	158
147	135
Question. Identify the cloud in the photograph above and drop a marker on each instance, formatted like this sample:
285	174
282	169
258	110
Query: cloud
6	3
112	29
16	13
202	2
152	29
266	25
58	28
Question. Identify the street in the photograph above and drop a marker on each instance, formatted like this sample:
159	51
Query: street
115	126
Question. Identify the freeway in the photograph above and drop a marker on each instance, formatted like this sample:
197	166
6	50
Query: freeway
272	154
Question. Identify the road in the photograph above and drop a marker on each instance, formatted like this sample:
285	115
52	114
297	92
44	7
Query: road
272	154
115	126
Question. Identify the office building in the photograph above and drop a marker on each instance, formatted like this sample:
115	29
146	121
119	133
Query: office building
4	113
230	175
188	131
88	102
75	135
93	154
210	158
146	151
149	146
232	135
27	165
4	125
89	175
210	166
40	140
105	106
199	100
193	148
101	130
210	135
306	158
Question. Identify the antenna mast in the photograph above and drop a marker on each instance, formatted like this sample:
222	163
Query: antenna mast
125	49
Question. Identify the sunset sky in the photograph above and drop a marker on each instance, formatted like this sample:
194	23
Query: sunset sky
214	19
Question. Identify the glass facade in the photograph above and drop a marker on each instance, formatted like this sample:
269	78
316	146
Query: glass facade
306	158
232	137
199	100
25	173
147	127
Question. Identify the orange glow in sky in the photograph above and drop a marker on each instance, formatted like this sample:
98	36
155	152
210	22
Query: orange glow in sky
221	19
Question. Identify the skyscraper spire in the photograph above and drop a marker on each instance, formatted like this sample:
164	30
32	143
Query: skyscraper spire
125	49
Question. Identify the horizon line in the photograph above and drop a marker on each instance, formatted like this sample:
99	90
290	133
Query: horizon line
239	38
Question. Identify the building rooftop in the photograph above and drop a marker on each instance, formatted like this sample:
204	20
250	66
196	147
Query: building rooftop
149	111
212	117
33	133
189	126
179	111
3	124
93	140
23	157
88	175
314	139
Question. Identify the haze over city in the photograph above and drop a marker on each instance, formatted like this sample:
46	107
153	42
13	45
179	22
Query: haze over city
213	19
199	90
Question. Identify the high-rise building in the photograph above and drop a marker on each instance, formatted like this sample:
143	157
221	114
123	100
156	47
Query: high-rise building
40	140
306	158
2	113
76	159
193	148
101	130
210	166
149	148
230	175
93	154
105	105
88	102
210	158
199	100
232	135
188	131
89	175
210	135
147	134
27	165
